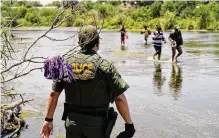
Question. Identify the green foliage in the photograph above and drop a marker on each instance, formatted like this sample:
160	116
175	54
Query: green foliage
188	14
105	9
32	18
168	21
140	14
204	16
22	11
55	3
26	3
155	9
168	6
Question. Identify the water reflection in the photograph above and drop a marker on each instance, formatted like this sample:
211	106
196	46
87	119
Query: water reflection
176	80
158	79
146	46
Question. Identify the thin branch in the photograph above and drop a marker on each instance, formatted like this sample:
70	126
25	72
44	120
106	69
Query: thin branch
8	42
65	19
52	27
25	54
14	65
23	69
15	104
11	94
18	76
10	23
4	55
53	39
19	63
70	50
57	17
36	61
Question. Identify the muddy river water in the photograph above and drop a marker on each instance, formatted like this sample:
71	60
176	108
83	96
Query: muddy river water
166	100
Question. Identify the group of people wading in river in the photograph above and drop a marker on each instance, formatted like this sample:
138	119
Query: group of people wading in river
175	39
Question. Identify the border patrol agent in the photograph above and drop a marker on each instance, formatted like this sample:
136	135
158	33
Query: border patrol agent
97	83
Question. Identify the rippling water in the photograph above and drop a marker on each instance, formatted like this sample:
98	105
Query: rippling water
165	100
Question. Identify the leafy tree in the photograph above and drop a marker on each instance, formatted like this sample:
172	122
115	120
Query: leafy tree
55	3
22	10
198	14
32	18
203	14
156	9
140	14
168	6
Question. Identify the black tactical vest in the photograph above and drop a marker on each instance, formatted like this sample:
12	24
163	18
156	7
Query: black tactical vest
89	88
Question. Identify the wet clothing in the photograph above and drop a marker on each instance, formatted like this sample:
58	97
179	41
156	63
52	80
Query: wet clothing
122	38
97	83
123	31
158	37
56	69
158	49
146	33
177	37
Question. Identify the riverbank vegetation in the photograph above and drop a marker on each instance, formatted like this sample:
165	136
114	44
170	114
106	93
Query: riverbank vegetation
188	14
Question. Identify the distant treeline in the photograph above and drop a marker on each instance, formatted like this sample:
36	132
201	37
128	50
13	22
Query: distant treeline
188	14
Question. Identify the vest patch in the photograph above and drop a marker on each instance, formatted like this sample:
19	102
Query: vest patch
83	71
79	67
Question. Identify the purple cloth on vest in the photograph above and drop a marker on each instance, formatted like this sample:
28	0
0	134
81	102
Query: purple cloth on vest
56	69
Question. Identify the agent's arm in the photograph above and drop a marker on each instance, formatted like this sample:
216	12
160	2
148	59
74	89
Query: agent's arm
47	128
52	103
117	87
123	108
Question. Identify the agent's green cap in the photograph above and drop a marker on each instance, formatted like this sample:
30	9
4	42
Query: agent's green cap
88	34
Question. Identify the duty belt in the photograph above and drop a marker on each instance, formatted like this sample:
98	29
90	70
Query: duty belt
100	111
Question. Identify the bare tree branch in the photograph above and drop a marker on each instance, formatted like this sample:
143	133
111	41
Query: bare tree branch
52	27
12	94
56	23
57	17
15	104
18	76
6	39
65	19
53	39
19	63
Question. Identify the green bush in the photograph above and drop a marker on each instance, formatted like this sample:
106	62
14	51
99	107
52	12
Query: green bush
168	21
152	23
188	14
22	11
32	18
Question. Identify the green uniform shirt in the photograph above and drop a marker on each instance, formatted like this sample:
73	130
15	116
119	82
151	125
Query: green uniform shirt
115	84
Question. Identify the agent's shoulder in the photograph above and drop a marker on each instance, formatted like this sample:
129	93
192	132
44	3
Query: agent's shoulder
106	66
105	63
73	56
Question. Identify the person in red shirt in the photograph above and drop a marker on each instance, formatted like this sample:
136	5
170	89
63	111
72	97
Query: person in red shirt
123	35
